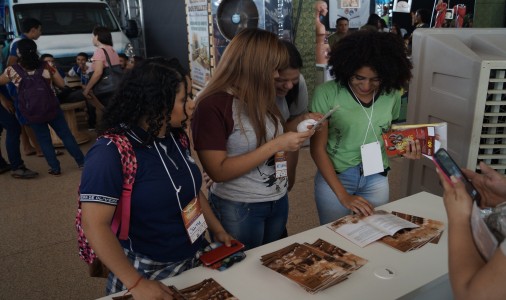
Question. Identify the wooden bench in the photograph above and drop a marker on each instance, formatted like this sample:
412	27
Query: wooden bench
69	111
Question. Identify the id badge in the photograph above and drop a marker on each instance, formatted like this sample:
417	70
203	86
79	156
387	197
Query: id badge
372	161
193	219
280	164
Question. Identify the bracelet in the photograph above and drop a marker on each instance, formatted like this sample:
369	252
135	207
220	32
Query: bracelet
135	284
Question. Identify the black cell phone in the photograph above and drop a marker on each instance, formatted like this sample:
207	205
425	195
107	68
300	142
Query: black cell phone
449	167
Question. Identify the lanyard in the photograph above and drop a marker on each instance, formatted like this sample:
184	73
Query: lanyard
369	117
177	189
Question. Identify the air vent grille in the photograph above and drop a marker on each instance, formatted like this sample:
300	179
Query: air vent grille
492	148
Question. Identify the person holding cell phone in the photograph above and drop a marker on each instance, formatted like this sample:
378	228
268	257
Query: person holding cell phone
150	112
471	276
370	68
239	137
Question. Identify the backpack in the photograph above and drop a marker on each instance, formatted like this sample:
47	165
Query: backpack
122	213
36	99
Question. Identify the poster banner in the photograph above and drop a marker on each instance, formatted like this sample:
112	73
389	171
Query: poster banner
198	36
357	12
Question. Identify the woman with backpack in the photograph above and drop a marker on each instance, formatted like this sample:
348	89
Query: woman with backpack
148	113
37	102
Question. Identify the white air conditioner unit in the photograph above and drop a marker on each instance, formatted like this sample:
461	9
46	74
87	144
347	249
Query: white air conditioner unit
459	77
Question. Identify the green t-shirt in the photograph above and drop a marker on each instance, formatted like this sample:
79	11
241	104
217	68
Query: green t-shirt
348	125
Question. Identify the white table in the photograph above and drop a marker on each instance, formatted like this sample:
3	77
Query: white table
419	274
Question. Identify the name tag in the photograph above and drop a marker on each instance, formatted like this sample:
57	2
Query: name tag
280	165
372	161
193	219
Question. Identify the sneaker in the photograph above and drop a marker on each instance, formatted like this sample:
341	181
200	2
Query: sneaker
5	168
54	172
23	173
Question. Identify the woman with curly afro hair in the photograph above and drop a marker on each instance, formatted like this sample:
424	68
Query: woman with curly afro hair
370	68
149	110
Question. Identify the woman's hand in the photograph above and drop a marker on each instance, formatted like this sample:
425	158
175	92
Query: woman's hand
312	115
357	204
223	237
414	150
292	141
86	91
457	201
151	290
207	180
292	123
490	184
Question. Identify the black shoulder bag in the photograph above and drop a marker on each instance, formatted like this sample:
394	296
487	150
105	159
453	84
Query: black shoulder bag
110	79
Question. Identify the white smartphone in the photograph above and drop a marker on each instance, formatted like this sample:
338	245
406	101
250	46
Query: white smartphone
326	116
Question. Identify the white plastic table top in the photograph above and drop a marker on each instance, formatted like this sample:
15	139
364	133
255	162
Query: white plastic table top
419	274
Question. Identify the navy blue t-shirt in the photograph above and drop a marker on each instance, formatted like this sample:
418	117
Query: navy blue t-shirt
156	225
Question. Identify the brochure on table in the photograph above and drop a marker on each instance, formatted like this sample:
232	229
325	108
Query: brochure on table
315	266
401	231
207	289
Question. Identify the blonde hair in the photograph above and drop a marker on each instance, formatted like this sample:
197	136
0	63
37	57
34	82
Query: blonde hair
246	70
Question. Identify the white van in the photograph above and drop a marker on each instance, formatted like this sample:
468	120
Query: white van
67	25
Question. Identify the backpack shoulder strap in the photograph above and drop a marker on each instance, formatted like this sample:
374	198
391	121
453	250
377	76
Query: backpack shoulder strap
21	72
40	70
129	165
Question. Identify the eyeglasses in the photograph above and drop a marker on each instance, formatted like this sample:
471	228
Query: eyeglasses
360	79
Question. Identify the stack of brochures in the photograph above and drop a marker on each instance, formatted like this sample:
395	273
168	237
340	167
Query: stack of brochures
207	289
315	266
401	231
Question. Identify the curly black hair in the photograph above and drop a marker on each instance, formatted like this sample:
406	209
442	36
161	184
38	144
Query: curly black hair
383	52
147	91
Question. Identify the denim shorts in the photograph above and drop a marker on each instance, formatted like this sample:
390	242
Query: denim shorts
254	224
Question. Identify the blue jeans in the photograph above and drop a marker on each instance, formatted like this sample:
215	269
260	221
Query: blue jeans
61	128
253	224
373	188
11	125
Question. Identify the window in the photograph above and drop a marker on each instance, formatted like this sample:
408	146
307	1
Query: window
67	18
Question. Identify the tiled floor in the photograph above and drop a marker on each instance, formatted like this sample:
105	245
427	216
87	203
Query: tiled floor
38	248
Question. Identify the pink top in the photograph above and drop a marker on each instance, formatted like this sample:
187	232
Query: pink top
99	55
